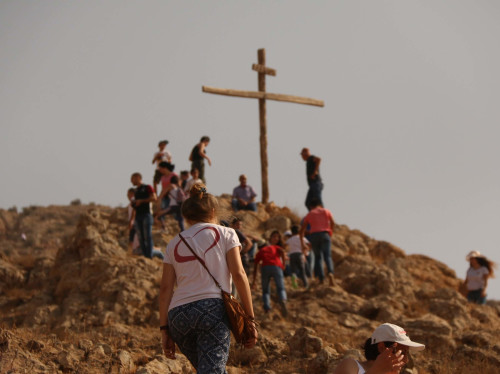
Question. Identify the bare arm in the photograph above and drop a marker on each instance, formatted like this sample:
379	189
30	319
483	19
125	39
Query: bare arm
282	256
241	282
132	219
485	277
332	224
302	232
166	293
202	153
316	161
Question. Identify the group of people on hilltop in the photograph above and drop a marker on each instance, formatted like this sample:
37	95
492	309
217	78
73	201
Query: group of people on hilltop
192	314
174	190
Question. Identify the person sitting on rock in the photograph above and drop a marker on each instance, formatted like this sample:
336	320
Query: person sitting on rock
478	273
244	196
386	351
273	259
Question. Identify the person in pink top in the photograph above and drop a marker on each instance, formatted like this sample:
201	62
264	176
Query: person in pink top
321	225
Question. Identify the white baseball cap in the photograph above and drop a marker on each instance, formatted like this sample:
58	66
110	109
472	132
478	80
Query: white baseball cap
388	332
473	254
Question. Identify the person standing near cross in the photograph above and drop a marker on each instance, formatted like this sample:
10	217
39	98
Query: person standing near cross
262	96
313	177
197	156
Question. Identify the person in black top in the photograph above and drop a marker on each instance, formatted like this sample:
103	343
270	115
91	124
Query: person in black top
143	197
198	154
313	177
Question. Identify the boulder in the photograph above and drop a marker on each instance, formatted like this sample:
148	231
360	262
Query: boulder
357	245
304	343
280	223
320	363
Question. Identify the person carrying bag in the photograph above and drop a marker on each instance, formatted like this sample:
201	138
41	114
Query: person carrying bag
194	316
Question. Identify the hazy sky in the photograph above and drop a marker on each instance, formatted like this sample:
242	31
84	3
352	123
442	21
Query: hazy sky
408	136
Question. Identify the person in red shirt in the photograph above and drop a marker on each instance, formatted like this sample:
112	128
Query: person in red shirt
320	221
272	258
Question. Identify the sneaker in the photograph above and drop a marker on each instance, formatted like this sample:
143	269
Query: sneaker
294	282
331	279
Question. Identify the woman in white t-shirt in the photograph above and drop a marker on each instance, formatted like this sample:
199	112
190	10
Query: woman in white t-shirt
193	315
478	273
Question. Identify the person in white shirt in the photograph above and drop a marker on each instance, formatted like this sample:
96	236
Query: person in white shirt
386	351
193	316
478	273
161	156
297	254
193	180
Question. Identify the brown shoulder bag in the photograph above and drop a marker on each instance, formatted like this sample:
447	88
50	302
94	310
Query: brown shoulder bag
240	323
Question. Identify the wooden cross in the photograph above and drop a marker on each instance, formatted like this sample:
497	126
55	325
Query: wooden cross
262	95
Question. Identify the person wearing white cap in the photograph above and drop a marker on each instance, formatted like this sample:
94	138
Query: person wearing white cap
477	276
386	351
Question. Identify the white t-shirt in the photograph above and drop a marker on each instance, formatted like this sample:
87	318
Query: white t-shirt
475	278
176	196
190	184
294	245
162	156
361	369
211	243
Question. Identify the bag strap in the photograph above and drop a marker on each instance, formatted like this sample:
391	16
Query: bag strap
201	261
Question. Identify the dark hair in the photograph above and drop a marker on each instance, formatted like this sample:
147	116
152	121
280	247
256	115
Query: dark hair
130	190
490	265
174	179
295	229
166	165
200	206
314	202
235	219
280	242
163	142
204	139
184	172
193	169
371	350
136	175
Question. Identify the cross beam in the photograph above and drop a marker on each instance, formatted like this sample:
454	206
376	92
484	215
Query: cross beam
262	96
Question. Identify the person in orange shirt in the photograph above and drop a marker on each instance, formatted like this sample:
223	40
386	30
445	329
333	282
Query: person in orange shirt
320	221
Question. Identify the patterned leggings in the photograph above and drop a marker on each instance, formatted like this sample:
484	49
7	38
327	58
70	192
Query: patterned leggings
201	331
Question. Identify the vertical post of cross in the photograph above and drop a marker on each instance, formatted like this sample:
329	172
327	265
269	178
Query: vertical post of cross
261	58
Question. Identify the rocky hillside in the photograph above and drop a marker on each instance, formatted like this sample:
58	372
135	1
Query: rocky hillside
74	299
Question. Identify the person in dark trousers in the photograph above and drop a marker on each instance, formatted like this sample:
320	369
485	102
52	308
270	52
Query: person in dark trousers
143	197
313	177
198	155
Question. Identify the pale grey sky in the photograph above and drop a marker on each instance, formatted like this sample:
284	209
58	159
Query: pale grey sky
408	136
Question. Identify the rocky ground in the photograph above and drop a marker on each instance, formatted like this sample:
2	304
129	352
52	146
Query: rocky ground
74	299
